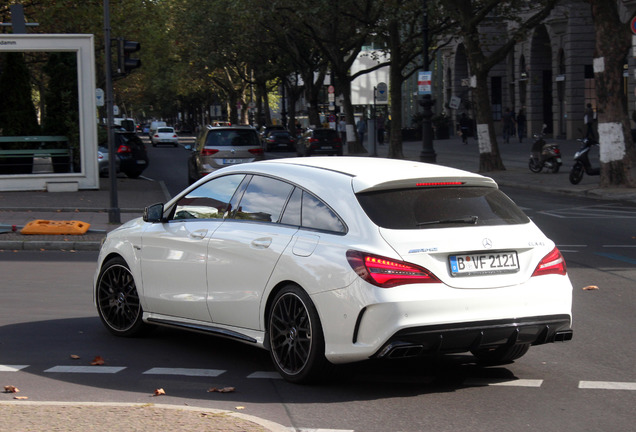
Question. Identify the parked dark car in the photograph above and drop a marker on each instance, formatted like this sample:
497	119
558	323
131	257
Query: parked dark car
277	139
322	141
132	158
265	130
220	146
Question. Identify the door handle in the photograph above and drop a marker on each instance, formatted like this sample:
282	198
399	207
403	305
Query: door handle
199	234
262	243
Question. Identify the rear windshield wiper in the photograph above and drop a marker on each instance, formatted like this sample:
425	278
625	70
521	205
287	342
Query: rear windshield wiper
467	220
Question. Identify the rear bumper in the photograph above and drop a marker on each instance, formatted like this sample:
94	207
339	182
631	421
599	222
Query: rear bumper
463	337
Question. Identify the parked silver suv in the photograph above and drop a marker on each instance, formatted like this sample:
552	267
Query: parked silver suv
221	146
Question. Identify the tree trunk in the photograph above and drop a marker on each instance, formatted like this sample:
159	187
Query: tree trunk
489	157
612	46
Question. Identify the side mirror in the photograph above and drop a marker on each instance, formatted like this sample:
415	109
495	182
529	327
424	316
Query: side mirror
153	213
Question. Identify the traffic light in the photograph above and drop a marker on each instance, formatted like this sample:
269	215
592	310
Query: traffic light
126	63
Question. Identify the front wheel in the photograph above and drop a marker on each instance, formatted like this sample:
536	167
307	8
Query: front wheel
576	173
534	165
296	341
117	299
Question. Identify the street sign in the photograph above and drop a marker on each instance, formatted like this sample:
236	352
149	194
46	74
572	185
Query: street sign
454	102
632	25
99	97
331	89
382	93
424	82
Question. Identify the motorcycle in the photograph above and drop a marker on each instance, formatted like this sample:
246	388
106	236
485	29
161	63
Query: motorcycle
544	155
582	162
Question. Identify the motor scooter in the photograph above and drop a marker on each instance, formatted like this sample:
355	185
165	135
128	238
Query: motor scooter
582	161
544	155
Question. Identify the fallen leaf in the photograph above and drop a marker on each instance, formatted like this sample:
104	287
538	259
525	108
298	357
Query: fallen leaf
75	357
11	389
240	407
21	397
590	288
221	390
98	361
160	392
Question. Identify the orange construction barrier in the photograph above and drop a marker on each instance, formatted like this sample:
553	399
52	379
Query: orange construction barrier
55	227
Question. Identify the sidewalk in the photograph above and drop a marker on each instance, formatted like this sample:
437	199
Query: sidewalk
19	208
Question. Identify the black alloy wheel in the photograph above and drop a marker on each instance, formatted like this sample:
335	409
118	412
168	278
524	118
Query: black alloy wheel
296	340
117	299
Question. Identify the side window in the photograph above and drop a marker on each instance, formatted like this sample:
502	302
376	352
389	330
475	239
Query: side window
210	200
263	200
292	210
316	215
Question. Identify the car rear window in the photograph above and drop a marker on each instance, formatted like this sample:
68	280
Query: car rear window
440	207
166	130
325	134
232	137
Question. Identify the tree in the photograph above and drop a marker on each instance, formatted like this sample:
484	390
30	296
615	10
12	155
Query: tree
485	52
613	41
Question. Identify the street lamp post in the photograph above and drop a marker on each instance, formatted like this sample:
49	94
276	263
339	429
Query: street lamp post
428	152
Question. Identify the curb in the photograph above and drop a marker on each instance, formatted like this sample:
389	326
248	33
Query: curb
141	408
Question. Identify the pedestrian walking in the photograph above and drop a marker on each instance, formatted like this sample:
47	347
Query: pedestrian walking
381	127
508	125
464	127
361	126
521	124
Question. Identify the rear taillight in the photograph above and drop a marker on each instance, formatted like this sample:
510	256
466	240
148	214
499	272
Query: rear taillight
552	263
208	152
313	140
386	272
256	151
124	149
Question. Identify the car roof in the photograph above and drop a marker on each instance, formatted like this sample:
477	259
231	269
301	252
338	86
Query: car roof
368	173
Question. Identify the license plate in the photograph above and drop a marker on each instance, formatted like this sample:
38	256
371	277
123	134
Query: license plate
559	160
141	162
232	161
484	263
327	147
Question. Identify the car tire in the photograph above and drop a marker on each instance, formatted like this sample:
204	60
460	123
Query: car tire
133	174
500	355
118	303
295	338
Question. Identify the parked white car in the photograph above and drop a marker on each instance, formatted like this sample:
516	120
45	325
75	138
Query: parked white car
334	260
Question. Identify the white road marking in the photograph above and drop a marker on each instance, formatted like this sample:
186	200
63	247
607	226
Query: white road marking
607	385
86	369
12	368
184	372
504	383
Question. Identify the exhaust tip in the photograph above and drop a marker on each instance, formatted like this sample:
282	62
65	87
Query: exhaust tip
563	335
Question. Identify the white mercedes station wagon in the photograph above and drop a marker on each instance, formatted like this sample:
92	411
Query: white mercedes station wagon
329	260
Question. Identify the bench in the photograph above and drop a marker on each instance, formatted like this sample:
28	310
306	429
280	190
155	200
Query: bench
15	160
